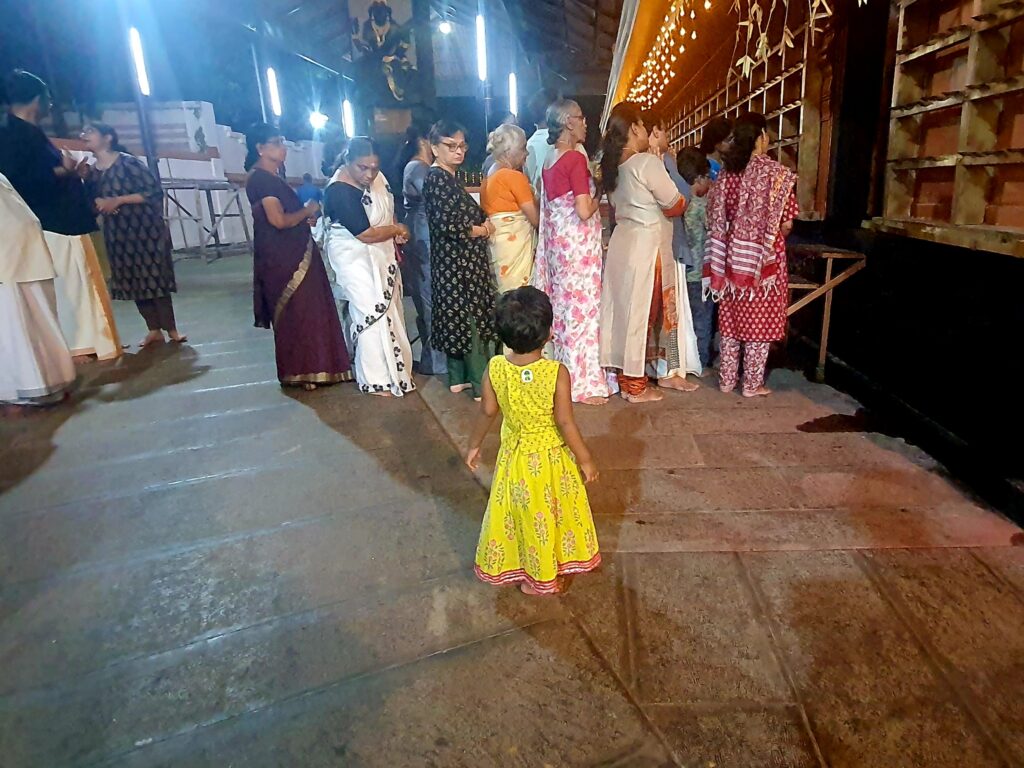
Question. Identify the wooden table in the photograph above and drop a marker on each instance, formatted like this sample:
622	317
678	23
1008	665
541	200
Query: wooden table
814	253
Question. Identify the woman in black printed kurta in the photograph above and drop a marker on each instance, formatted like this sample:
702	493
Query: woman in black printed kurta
138	243
462	280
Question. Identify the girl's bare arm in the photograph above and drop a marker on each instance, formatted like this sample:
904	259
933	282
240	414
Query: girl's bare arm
488	413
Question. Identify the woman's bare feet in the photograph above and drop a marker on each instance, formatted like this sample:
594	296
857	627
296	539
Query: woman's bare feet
456	388
153	337
595	401
649	395
309	386
177	338
382	394
759	392
679	384
81	359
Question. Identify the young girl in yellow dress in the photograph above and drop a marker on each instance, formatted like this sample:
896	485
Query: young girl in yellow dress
538	525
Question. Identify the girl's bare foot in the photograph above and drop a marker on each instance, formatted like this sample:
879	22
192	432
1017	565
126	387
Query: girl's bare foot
679	384
456	388
177	338
153	337
382	394
309	386
649	395
595	401
759	392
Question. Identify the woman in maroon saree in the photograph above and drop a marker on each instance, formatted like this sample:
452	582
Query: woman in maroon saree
291	291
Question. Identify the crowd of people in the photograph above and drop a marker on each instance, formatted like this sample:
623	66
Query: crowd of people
59	271
519	302
518	299
697	251
712	218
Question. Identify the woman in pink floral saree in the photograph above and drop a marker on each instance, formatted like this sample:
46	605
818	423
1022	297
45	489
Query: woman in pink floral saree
568	262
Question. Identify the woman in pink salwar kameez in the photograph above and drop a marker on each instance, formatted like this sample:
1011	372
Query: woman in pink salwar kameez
568	262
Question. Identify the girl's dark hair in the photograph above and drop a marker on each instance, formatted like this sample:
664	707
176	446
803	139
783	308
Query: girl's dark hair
259	133
20	87
523	319
108	130
745	133
361	146
692	163
444	129
623	117
715	132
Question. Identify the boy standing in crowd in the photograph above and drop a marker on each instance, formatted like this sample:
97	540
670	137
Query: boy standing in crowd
694	167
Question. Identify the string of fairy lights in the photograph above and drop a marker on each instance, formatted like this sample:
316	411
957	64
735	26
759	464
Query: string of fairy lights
661	65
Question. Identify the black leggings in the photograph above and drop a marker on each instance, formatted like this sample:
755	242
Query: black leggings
158	313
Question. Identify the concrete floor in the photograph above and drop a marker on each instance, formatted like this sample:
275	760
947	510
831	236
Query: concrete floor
200	569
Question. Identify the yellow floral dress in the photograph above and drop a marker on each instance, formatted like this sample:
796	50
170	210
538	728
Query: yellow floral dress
538	524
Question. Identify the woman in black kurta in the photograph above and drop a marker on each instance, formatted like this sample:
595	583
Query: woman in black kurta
291	291
134	231
461	279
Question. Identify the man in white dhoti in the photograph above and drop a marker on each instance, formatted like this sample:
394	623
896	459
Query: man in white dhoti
35	363
48	182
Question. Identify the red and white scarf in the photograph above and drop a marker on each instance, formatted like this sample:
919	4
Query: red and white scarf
740	258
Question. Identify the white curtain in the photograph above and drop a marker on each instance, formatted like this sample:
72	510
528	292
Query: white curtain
630	8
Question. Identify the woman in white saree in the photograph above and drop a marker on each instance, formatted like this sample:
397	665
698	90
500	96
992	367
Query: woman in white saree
362	239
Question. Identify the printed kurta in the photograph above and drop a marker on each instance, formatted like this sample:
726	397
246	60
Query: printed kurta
538	524
137	240
462	282
763	317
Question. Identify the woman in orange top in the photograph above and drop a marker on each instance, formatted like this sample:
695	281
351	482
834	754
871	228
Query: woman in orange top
507	199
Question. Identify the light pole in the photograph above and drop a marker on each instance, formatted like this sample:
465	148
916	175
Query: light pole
348	118
275	94
259	82
481	64
142	93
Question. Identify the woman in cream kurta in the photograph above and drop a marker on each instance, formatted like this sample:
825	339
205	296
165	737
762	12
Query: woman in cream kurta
35	363
641	336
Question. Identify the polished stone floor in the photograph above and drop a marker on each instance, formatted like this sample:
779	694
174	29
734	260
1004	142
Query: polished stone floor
200	569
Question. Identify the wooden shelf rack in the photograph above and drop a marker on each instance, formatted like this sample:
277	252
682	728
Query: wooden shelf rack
955	167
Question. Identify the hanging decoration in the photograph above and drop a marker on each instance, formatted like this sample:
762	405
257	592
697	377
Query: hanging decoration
663	65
